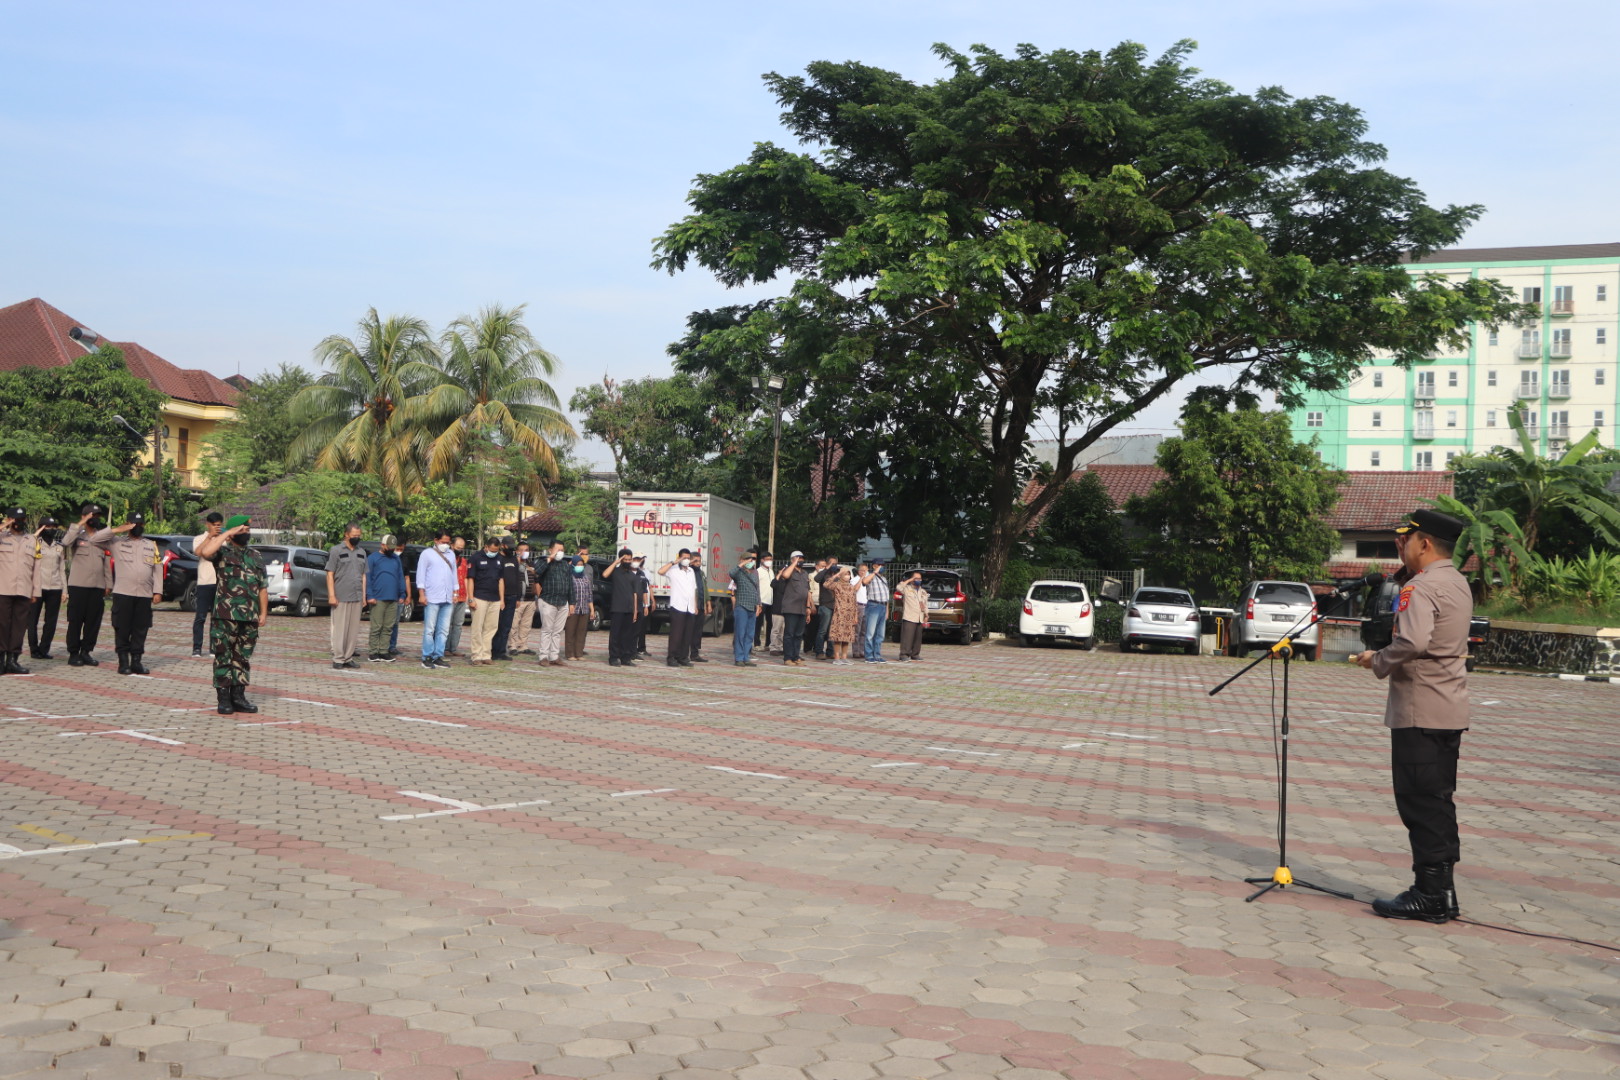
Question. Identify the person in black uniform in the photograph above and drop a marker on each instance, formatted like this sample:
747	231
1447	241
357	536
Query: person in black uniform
514	591
625	611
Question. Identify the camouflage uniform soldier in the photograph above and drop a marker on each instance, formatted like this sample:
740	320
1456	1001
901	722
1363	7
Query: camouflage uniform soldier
241	606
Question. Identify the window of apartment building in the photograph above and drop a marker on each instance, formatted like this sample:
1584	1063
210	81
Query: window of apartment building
1602	293
1451	455
1490	378
1377	419
1558	423
1600	376
183	458
1532	294
1530	342
1602	336
1597	417
1313	419
1563	299
1423	461
1376	549
1451	418
1374	459
1451	378
1425	384
1493	338
1561	343
1490	417
1378	378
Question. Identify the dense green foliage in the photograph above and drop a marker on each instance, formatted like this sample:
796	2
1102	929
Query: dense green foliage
1083	529
1240	501
252	449
1051	241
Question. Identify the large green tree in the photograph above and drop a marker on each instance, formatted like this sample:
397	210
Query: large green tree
252	449
1053	241
669	434
348	419
1240	501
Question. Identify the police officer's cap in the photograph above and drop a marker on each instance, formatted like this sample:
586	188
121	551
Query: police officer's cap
50	523
16	513
135	517
1442	527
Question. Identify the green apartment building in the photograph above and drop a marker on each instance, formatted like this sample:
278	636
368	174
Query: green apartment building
1559	373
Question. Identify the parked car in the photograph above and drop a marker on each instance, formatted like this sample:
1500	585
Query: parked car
1056	611
297	578
1161	616
955	606
179	568
1266	610
1378	625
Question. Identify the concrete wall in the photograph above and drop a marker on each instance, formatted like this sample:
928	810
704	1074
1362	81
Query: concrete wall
1570	650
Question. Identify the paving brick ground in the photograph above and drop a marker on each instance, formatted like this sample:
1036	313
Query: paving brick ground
1001	862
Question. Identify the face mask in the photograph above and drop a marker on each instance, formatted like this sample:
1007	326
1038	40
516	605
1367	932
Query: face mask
353	541
48	535
524	555
578	571
555	555
749	565
444	549
98	524
686	562
766	564
636	564
138	531
240	539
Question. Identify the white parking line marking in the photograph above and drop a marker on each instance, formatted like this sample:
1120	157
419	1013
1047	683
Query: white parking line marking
643	708
1071	746
822	704
953	750
306	701
896	764
1124	735
419	720
745	772
268	723
644	791
467	808
459	804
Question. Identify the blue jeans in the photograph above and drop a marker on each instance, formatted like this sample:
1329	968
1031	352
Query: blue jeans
435	625
877	615
742	633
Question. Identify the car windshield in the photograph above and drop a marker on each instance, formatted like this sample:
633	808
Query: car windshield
1164	597
1058	594
1282	592
273	554
940	585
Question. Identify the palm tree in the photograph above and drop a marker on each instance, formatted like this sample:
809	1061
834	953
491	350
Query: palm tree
351	417
489	392
1530	486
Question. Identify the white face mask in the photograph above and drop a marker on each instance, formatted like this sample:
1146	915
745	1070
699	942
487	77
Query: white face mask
686	562
766	564
524	555
444	549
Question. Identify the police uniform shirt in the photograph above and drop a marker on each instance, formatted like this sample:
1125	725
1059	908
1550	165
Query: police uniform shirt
348	569
1426	663
19	564
87	565
484	573
51	565
137	563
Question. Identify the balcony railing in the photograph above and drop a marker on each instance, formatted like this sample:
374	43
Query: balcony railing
1529	350
1563	307
1423	431
1558	388
1560	350
1529	390
1559	432
1423	392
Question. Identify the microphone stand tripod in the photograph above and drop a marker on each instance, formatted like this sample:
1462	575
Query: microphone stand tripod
1282	876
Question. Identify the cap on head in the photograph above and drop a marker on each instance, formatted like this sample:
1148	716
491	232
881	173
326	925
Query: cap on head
797	555
1442	527
214	517
135	517
237	519
390	540
16	513
50	523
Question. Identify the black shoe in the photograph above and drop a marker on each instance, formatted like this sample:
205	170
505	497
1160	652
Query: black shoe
350	664
12	667
39	654
1432	897
135	665
76	660
673	663
630	663
699	660
683	663
393	654
503	656
338	665
196	654
738	663
374	658
429	664
439	662
226	706
89	659
123	663
239	699
615	663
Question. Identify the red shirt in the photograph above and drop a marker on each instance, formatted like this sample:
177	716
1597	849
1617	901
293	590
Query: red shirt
461	580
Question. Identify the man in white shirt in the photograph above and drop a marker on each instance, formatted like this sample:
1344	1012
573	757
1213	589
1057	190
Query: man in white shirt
683	609
207	585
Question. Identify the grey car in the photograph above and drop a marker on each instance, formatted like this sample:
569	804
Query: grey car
1161	616
1266	610
297	577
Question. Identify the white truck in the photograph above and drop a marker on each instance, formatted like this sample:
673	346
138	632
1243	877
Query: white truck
658	524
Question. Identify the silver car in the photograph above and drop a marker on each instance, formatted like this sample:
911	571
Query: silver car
297	578
1161	616
1267	610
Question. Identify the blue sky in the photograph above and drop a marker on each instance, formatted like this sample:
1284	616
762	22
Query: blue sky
229	183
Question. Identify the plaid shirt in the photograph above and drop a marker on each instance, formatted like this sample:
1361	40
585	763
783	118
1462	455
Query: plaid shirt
583	592
556	584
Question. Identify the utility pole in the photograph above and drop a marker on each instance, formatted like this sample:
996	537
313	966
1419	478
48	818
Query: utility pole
773	383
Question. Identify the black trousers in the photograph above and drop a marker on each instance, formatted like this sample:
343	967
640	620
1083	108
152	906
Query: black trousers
1424	764
762	627
48	604
86	605
793	629
698	621
503	630
131	619
823	617
622	636
911	640
681	625
13	622
205	605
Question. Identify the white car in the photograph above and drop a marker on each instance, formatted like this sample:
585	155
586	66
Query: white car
1269	609
1056	611
1161	616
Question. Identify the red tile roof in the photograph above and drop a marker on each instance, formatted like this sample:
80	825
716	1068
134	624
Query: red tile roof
544	521
1120	481
1376	501
35	334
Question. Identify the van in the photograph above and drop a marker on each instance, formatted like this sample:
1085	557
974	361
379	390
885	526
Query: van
296	578
1267	610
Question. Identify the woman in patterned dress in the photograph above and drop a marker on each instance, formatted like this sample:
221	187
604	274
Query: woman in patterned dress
842	630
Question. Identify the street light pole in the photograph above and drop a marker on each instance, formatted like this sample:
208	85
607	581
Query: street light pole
775	383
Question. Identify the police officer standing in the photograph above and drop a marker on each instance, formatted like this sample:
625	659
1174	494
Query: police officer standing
51	582
137	585
19	587
1427	710
241	606
89	581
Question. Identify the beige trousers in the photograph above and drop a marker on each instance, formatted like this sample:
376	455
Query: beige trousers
522	623
486	619
345	631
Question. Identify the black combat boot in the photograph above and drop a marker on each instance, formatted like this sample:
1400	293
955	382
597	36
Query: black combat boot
1432	897
239	699
76	660
227	707
11	667
89	659
135	665
123	663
